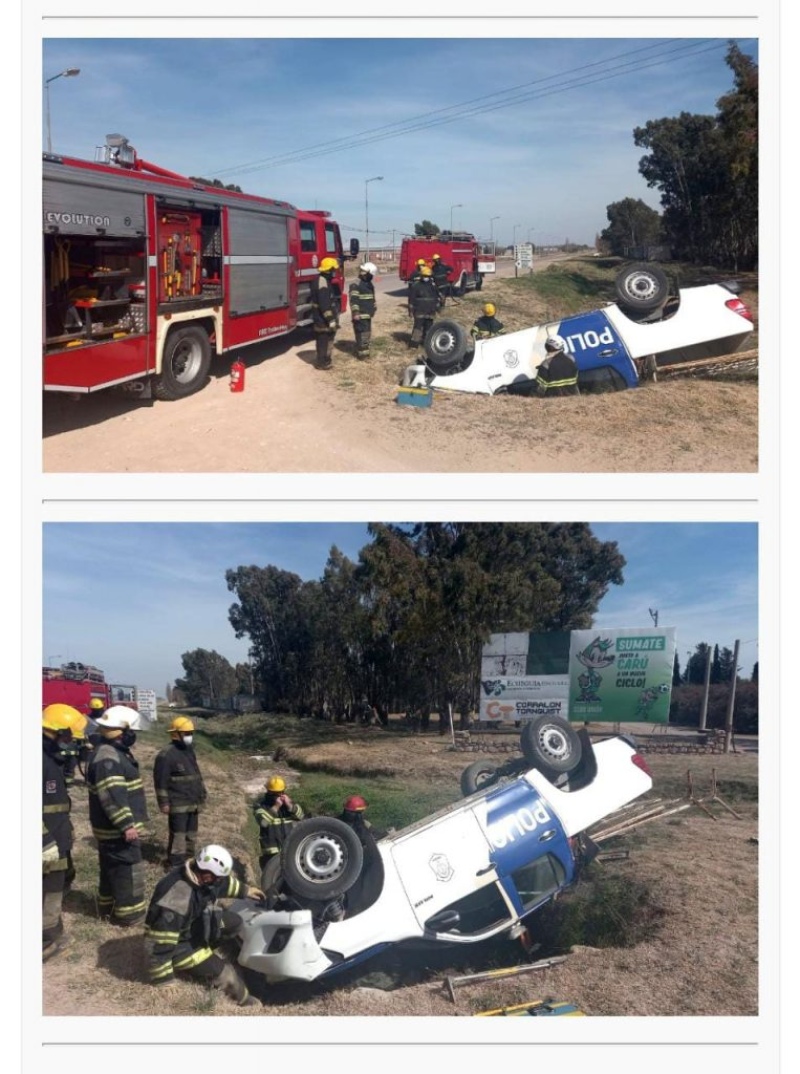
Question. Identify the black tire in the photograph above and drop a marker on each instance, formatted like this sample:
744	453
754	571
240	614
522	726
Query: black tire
641	287
478	281
271	875
551	744
185	364
446	345
478	776
322	858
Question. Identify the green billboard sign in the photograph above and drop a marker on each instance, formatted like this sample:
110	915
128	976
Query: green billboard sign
621	676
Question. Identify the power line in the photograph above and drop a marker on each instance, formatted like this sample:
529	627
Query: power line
474	106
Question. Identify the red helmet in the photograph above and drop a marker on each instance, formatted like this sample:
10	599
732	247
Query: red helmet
355	804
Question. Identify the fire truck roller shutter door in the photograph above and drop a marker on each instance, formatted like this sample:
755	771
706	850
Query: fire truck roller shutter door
258	256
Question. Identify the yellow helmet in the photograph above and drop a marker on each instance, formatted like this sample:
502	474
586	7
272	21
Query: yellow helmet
181	725
276	783
328	264
58	717
421	261
437	257
489	309
426	271
96	703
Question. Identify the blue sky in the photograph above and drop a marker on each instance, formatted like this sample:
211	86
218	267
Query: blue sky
131	597
538	132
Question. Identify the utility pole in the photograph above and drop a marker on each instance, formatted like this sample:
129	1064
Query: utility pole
706	690
654	615
731	697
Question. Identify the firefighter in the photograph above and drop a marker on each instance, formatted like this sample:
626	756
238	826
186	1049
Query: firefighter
275	814
362	307
184	923
558	373
325	305
180	790
70	753
487	326
117	814
96	710
423	302
441	274
417	274
59	723
367	886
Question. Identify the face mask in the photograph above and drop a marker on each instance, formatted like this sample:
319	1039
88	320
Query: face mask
187	739
128	737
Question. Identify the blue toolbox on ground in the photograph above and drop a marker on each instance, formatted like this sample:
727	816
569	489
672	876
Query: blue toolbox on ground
415	397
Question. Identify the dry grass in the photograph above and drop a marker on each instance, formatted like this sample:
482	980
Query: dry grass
700	957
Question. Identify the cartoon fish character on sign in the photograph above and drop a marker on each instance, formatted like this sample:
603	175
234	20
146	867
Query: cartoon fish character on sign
595	656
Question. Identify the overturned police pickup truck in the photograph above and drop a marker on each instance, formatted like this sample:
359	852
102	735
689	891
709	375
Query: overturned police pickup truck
469	872
614	347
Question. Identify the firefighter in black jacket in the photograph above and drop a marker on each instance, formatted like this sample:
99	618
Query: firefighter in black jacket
441	274
423	302
117	814
487	325
558	373
59	723
275	814
362	307
184	923
325	307
416	273
180	790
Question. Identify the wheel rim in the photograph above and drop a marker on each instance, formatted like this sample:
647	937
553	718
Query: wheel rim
321	858
442	342
641	285
554	744
186	361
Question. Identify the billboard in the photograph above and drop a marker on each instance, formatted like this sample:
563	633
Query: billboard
621	675
613	676
523	697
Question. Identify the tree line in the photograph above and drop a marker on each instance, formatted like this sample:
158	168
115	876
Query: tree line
706	169
405	624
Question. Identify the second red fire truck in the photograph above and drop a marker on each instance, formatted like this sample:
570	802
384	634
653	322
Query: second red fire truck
148	274
469	259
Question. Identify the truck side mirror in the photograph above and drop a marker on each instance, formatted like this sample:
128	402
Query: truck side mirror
354	247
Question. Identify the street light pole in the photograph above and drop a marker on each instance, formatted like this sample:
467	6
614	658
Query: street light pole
374	179
491	227
459	206
69	73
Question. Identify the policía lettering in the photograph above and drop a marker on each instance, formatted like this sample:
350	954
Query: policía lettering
517	825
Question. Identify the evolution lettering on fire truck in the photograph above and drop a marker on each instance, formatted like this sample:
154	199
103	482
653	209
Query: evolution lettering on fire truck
469	259
148	275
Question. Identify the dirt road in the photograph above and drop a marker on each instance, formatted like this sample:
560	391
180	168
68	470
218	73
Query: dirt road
292	418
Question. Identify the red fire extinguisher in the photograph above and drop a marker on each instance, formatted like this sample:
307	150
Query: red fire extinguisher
237	376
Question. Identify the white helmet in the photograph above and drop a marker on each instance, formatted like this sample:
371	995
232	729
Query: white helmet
555	343
119	717
214	859
368	267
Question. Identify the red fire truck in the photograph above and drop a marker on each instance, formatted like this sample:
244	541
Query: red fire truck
468	259
78	684
148	275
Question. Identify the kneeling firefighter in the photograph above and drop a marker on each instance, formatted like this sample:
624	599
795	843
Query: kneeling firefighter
185	924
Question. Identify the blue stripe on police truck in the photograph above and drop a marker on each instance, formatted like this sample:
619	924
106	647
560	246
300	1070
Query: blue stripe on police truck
594	343
517	818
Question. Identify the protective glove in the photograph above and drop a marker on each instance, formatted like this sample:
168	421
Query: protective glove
255	893
50	857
